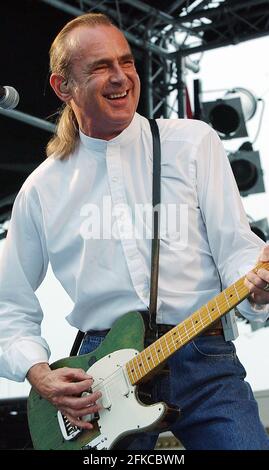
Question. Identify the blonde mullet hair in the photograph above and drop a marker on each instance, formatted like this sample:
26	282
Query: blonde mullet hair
65	139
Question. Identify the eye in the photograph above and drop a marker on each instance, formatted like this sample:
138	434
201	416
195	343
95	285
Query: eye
128	63
100	68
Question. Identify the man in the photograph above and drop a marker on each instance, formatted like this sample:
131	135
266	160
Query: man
103	149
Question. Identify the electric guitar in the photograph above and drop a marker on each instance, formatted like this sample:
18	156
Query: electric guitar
118	365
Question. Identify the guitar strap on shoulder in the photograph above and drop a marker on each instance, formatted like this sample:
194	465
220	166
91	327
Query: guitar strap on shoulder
155	245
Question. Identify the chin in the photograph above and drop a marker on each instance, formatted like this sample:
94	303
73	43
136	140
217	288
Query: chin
122	118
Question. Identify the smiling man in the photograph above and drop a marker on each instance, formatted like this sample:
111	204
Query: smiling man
102	87
102	150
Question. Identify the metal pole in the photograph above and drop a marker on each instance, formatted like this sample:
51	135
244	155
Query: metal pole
28	119
158	14
211	12
148	81
64	7
180	87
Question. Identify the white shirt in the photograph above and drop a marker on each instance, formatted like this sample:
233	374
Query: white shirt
107	277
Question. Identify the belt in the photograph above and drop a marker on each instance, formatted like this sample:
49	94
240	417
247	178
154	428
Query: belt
214	330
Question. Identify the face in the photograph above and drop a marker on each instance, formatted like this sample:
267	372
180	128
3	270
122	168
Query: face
104	83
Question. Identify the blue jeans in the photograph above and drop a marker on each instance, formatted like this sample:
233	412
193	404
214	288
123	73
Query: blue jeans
206	381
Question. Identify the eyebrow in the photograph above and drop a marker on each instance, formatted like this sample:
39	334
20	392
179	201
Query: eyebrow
106	60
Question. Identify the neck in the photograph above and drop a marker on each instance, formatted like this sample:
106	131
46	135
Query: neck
89	129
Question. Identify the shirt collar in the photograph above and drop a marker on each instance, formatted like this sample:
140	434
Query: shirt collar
124	138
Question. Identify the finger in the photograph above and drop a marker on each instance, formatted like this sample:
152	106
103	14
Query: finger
83	411
260	298
78	422
77	403
264	275
257	295
254	281
76	388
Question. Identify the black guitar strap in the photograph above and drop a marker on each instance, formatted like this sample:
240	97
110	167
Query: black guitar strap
155	245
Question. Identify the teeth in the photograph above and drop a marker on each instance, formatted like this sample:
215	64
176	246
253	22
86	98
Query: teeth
120	95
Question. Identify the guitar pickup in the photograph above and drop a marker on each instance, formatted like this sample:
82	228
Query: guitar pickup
69	431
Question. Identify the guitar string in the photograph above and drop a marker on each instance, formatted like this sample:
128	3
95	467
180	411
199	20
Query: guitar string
203	315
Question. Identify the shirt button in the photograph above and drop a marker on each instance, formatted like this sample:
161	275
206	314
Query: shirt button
114	178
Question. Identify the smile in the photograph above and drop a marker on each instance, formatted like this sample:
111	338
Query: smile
115	96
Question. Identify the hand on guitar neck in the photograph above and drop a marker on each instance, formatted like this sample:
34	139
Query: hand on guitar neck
63	388
257	280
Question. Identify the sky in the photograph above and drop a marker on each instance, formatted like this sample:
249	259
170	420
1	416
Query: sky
245	65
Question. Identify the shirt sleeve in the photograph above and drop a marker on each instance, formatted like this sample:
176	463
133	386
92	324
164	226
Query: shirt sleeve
23	266
234	247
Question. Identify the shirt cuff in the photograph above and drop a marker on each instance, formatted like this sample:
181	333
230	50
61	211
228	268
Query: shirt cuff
21	356
254	312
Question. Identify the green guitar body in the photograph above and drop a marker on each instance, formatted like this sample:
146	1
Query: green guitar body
127	332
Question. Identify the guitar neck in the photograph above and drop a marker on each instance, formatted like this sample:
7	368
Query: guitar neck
158	352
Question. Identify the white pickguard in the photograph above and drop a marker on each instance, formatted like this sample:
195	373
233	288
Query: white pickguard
121	412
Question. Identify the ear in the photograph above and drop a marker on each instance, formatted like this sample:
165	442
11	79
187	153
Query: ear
60	87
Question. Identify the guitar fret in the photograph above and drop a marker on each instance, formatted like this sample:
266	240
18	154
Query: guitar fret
168	349
196	322
137	368
129	371
234	286
145	363
171	335
142	363
226	298
156	352
179	336
209	313
201	320
149	356
184	324
162	346
133	371
193	325
160	349
218	307
153	355
160	343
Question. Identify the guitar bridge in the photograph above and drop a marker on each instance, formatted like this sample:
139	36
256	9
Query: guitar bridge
69	431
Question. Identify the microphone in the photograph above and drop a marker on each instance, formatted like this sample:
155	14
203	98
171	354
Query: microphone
9	97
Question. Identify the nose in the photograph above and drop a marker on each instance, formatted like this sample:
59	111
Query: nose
117	75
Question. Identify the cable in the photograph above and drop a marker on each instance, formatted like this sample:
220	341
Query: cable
260	120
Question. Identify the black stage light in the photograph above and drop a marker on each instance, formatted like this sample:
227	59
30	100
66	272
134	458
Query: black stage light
247	170
228	115
261	228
